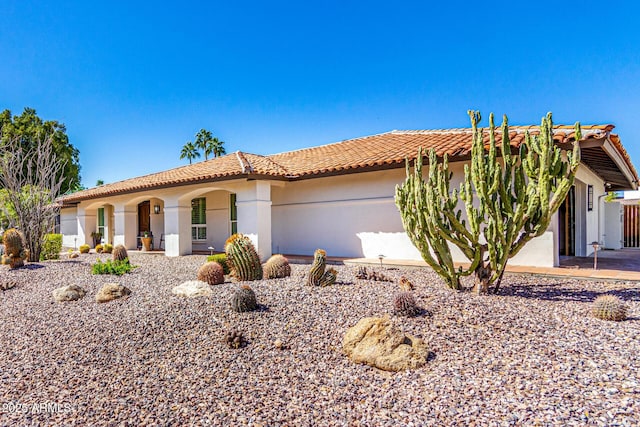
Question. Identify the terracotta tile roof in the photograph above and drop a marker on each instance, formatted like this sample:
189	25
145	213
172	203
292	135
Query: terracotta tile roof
225	167
371	152
394	147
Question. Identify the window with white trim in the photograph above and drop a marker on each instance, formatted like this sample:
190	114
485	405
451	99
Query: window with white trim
199	219
233	213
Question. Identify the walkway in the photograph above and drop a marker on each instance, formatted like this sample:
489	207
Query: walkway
612	265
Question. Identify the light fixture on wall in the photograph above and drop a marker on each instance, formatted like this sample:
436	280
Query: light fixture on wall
589	197
156	209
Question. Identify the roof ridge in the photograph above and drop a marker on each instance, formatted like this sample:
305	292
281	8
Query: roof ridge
245	164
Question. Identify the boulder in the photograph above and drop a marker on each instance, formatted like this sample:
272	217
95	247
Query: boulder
68	293
192	288
376	342
111	291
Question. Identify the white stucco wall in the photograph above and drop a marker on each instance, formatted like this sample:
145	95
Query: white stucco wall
69	226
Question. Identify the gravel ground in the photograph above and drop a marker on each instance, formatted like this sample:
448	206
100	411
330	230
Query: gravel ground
530	356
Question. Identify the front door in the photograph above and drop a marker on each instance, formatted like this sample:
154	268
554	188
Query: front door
567	224
144	217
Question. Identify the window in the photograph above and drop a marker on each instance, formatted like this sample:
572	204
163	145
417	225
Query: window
101	222
56	225
233	213
199	219
589	197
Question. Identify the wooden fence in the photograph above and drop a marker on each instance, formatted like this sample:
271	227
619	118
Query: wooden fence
631	226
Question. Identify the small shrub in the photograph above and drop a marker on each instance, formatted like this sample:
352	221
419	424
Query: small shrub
51	247
609	307
107	248
84	249
222	260
116	267
99	248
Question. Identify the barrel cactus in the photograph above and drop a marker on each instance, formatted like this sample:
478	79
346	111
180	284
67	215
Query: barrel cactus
609	307
211	273
120	253
317	275
243	258
277	267
99	248
107	248
14	248
84	249
243	299
404	304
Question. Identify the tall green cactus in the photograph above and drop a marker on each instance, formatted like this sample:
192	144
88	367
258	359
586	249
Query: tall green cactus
14	248
515	199
243	258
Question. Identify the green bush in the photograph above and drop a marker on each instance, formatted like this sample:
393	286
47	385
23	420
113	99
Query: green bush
112	267
51	247
222	260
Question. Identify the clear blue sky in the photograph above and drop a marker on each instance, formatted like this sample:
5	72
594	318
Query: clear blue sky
134	81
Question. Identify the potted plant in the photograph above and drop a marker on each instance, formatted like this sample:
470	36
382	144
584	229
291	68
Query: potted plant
146	241
97	238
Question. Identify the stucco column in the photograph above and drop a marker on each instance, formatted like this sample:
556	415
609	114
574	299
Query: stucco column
177	230
86	225
125	227
254	215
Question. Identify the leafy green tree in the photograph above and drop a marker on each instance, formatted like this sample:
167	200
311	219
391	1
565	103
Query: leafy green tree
99	183
507	203
189	151
29	130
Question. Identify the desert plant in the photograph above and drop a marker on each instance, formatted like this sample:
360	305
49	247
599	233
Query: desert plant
276	267
243	299
609	307
222	260
365	274
84	249
317	275
51	247
243	258
107	248
234	338
404	304
211	273
405	284
14	247
507	203
116	267
99	248
120	253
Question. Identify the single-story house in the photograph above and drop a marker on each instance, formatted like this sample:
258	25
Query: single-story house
339	197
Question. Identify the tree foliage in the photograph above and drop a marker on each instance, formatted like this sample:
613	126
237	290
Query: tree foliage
206	142
28	130
506	203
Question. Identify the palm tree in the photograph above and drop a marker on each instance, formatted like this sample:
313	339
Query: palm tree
189	151
203	142
217	147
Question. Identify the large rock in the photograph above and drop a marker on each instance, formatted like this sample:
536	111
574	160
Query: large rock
111	291
376	342
68	293
192	288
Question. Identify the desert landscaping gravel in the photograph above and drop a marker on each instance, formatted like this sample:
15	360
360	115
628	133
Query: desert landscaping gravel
532	355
